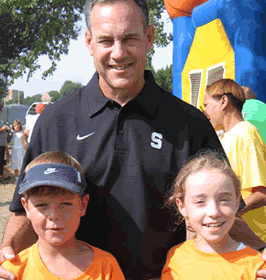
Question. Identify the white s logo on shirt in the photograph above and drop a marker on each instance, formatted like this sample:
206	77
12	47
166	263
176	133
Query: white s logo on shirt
156	140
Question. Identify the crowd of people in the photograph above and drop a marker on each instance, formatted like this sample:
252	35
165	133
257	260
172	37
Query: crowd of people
107	171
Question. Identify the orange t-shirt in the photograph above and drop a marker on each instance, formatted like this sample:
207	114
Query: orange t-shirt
28	265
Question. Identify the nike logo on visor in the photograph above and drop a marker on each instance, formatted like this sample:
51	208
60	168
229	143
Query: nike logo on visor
85	136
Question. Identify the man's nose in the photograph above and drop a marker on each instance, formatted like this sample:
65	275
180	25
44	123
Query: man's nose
119	50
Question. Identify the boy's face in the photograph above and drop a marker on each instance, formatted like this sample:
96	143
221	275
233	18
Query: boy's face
55	217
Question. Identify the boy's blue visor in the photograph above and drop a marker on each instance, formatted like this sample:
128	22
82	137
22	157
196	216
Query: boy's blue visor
54	174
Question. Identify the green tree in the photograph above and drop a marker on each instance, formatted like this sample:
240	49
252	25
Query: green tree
162	38
30	99
55	95
68	87
164	78
31	28
16	101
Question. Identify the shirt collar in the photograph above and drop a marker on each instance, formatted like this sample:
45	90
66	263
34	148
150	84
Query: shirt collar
148	98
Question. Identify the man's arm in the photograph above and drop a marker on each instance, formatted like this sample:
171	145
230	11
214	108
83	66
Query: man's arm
256	200
4	129
19	234
241	232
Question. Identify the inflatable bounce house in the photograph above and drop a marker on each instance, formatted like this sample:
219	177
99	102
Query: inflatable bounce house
217	39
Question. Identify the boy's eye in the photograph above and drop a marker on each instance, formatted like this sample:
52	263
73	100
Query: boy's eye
41	205
67	203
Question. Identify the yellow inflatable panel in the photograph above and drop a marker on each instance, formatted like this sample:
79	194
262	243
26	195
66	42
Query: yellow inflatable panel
216	59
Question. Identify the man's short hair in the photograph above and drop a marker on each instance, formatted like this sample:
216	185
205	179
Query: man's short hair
142	4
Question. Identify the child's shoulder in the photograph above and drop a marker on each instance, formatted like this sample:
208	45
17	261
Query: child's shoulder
100	254
182	248
20	261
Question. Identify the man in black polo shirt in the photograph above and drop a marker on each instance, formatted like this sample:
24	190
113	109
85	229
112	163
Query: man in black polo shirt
131	138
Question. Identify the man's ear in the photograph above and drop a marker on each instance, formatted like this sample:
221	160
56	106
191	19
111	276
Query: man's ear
181	207
84	204
150	37
88	41
25	205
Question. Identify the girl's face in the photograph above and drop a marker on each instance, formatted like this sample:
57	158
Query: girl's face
17	127
210	205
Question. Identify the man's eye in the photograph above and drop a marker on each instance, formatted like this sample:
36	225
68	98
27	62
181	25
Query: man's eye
130	40
105	42
199	201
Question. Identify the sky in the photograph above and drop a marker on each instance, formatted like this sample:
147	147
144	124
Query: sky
77	65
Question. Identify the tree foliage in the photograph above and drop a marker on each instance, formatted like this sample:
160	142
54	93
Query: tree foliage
25	101
162	38
31	28
68	87
55	95
164	78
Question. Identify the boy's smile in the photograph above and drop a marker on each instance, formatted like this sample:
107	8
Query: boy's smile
55	217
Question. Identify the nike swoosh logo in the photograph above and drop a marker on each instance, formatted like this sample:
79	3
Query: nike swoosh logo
49	172
83	137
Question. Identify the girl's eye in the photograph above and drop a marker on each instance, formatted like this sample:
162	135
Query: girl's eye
225	199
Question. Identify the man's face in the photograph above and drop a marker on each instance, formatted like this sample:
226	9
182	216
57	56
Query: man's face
119	43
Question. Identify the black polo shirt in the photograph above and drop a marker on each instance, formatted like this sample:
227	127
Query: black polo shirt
128	154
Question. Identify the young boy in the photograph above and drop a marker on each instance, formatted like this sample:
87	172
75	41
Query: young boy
53	195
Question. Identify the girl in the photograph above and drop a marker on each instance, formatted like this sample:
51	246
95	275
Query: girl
207	194
18	147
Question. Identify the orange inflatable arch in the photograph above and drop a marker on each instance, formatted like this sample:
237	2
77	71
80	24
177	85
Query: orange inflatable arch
180	8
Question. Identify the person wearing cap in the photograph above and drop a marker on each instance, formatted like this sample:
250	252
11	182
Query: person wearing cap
244	148
54	198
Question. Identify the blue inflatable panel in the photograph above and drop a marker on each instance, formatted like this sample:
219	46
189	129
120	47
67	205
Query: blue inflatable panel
244	21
